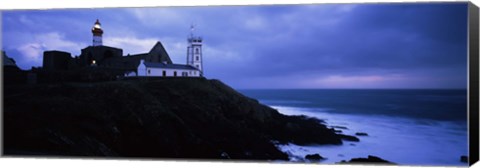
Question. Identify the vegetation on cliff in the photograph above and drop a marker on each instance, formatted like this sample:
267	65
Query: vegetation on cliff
156	118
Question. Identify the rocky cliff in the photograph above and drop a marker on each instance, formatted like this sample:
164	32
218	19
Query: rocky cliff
156	118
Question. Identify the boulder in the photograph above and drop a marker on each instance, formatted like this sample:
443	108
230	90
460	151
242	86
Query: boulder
349	138
361	134
314	157
464	159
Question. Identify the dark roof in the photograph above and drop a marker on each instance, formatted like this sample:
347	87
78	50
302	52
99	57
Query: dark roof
56	51
137	55
169	66
102	46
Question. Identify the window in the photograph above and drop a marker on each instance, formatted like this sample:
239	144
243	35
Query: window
197	51
174	73
197	58
197	66
164	73
148	71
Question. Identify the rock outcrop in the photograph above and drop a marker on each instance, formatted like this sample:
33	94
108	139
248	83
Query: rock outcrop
361	134
369	160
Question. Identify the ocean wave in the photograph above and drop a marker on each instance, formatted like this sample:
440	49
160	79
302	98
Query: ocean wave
402	140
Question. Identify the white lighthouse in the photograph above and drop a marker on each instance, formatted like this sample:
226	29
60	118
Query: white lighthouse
97	34
194	51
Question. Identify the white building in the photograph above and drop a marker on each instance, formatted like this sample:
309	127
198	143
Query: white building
155	69
193	68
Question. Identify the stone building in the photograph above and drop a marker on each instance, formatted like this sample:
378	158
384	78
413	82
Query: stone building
57	60
99	55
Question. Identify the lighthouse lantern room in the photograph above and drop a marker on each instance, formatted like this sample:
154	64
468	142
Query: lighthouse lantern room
97	34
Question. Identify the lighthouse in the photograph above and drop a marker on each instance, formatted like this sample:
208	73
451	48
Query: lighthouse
97	34
194	51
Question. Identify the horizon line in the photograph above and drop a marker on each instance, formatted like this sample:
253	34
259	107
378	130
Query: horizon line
351	88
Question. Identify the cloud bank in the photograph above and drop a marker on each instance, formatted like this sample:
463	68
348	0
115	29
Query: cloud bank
418	45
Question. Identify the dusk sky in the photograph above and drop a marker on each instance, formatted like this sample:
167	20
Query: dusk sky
271	46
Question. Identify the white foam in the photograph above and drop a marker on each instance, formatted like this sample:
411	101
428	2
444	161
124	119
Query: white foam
404	141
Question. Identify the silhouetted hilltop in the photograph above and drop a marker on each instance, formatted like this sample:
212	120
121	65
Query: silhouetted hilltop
168	118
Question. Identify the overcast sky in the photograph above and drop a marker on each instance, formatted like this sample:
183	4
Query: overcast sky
272	46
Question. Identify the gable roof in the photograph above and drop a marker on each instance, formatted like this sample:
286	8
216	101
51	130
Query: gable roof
169	66
158	54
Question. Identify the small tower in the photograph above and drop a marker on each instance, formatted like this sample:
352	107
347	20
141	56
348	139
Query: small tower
194	51
97	34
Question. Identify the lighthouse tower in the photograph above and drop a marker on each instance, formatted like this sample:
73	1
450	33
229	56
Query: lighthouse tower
97	34
194	51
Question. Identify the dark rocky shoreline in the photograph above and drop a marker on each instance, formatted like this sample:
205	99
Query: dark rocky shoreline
160	118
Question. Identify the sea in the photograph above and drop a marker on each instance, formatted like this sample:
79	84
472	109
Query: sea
425	127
